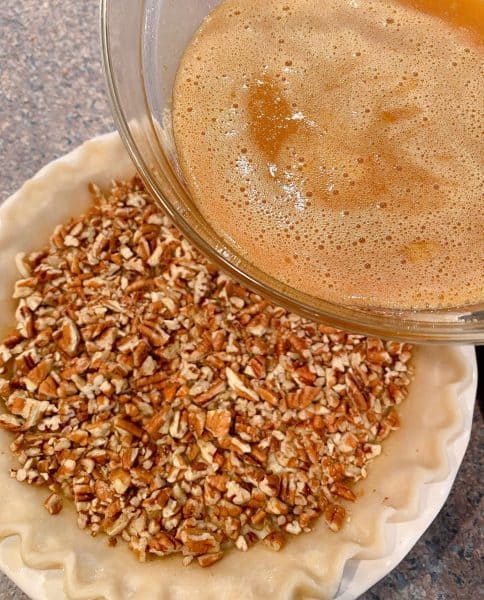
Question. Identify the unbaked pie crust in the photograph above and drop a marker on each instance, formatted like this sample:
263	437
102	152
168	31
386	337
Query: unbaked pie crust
311	565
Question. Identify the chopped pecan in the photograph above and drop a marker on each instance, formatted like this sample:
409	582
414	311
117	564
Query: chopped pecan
53	503
207	560
37	375
303	397
10	422
334	516
70	337
274	540
218	422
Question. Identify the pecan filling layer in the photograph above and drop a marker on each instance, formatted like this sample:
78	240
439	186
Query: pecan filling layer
179	411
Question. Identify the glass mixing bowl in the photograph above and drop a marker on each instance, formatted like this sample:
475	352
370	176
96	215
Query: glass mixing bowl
143	41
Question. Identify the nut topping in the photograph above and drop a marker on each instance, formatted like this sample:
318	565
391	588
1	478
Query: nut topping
179	411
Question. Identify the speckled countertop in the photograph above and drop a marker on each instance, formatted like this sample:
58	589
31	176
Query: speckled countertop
52	98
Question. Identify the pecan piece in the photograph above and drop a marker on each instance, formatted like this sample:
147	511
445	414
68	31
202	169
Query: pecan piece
334	516
274	540
218	422
37	375
303	397
70	337
207	560
53	503
10	422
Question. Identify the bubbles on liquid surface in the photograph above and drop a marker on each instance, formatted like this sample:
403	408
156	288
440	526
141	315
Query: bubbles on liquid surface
338	152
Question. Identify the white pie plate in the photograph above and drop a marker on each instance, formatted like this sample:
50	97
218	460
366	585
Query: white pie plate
400	529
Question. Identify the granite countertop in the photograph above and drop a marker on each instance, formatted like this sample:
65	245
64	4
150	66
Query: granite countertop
52	98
